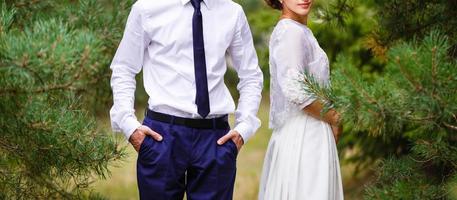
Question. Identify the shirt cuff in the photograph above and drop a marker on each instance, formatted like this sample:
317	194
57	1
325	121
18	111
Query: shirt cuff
244	130
129	125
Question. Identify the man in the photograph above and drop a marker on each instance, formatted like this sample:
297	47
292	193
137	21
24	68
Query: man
185	143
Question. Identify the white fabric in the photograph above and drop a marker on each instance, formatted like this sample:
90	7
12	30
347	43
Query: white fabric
293	50
301	161
158	39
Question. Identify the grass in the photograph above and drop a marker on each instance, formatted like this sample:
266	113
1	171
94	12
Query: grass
122	182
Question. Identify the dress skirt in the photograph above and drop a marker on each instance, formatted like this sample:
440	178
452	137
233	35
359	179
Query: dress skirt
301	162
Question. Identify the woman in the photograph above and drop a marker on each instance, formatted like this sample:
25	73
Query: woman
301	161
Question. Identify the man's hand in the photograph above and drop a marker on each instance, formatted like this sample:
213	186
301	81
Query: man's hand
234	136
137	138
337	129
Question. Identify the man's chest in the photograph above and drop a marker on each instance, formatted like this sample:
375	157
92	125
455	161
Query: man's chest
171	28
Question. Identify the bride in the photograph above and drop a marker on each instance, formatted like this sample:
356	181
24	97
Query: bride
301	160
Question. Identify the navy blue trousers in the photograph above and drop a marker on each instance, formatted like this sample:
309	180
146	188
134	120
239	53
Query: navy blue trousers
187	160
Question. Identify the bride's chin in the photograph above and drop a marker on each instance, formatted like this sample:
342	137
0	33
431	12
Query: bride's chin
301	12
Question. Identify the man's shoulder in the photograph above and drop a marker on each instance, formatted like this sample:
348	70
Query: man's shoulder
151	5
228	4
147	3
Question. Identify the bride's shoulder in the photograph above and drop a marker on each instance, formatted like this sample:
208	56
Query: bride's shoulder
290	29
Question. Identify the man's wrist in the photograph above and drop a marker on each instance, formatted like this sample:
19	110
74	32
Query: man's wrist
243	130
132	136
129	126
239	135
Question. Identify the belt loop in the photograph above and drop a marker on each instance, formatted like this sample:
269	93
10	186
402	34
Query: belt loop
214	123
172	121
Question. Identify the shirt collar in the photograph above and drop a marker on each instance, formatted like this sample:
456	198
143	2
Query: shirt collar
206	2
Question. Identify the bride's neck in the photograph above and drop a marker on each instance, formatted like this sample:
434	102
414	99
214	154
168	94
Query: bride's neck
287	14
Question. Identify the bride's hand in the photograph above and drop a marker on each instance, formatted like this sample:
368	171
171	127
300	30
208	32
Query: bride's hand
332	117
337	129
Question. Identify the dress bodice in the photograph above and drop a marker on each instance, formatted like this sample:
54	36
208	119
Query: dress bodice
293	51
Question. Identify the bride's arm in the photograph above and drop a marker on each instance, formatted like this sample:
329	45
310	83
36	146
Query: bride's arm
315	108
292	53
332	117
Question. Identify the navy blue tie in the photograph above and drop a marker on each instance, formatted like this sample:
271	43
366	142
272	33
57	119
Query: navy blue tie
201	81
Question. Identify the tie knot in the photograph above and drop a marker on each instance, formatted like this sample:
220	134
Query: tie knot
196	4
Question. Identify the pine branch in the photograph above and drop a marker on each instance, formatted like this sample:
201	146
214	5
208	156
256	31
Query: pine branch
368	98
318	91
338	13
50	185
49	88
453	127
405	73
65	86
5	146
422	161
25	65
359	88
26	4
41	83
434	66
428	118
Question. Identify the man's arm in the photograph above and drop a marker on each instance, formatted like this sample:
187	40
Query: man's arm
245	61
127	62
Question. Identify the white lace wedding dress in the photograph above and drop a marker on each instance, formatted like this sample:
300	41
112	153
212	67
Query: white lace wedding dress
301	161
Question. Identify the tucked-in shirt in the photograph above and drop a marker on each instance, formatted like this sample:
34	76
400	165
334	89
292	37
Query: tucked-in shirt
294	53
158	39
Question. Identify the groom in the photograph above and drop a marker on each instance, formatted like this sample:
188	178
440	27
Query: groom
185	144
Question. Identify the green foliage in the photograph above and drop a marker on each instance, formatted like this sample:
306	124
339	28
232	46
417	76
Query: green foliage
402	114
408	114
403	179
417	19
54	60
400	20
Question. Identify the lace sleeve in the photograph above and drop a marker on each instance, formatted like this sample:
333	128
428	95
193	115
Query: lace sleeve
293	53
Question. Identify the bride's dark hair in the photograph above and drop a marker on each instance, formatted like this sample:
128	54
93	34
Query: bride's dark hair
275	4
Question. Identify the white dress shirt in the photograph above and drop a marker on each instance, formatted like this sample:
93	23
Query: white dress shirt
158	39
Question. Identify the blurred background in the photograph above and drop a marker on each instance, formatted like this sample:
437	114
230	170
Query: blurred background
394	79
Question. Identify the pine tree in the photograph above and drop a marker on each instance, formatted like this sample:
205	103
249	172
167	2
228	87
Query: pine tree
410	112
54	75
409	136
399	20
